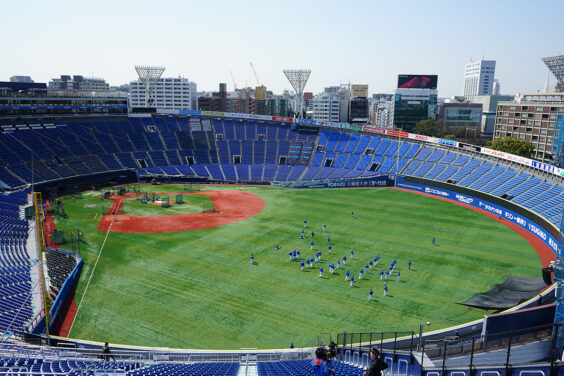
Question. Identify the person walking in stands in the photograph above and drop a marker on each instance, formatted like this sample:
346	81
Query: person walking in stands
352	280
352	253
377	365
106	353
385	289
320	365
252	259
381	274
302	266
360	274
409	265
398	276
311	244
347	275
320	272
324	227
370	293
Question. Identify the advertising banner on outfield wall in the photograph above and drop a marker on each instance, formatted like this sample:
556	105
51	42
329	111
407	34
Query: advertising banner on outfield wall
501	212
376	181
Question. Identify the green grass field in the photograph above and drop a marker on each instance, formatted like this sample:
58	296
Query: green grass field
197	289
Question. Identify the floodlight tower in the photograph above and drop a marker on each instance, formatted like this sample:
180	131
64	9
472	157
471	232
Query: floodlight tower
298	79
149	77
556	65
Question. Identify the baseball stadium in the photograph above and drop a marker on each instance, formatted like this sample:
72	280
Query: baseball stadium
213	243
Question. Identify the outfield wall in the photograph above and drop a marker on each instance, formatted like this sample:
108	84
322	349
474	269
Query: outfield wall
529	221
59	302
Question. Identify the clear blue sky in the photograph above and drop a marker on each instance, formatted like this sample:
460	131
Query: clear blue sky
340	41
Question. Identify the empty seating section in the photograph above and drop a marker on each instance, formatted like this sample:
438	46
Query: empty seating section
194	369
249	150
303	368
15	264
487	177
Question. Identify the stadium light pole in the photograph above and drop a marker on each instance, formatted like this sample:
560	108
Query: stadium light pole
420	346
149	76
298	79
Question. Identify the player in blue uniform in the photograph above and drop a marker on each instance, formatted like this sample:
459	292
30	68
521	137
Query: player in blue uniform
311	263
360	274
409	265
252	258
381	274
352	281
311	244
376	259
347	275
385	289
387	273
277	247
299	253
329	248
329	239
433	241
294	253
344	260
324	227
366	267
370	294
305	223
331	268
312	234
352	253
320	272
338	263
398	275
371	263
352	214
302	266
307	263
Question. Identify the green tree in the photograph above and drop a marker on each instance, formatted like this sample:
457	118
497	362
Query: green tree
427	127
513	146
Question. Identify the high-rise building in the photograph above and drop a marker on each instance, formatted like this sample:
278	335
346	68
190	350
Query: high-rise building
479	78
169	93
382	112
412	106
359	108
78	83
531	117
217	101
496	90
24	79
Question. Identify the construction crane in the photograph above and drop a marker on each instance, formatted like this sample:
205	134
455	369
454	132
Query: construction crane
234	84
255	73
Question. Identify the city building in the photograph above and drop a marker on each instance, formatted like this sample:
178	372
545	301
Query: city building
489	107
461	119
79	83
359	111
556	66
531	117
413	105
496	90
168	94
25	79
381	113
479	78
19	101
558	141
326	107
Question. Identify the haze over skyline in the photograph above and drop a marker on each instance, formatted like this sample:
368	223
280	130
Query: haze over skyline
358	42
